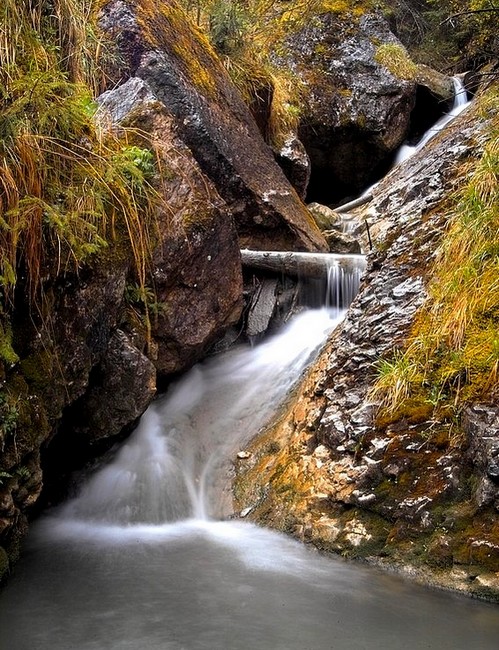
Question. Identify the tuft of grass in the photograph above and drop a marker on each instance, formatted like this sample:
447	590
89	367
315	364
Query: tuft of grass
395	58
67	189
454	343
395	378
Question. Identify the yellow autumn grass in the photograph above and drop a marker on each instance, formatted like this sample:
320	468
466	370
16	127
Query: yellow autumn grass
454	342
66	189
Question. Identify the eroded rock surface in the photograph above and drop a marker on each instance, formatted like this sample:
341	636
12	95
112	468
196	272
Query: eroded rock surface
159	45
394	492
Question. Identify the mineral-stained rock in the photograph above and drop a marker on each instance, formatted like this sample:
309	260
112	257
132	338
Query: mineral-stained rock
403	479
158	44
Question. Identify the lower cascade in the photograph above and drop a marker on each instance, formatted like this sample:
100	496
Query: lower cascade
148	554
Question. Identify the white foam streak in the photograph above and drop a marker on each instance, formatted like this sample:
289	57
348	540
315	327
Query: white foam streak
166	470
460	103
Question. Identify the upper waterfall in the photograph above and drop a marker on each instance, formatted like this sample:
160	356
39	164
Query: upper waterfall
461	101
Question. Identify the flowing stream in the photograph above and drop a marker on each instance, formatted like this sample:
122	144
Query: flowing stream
146	556
405	151
461	101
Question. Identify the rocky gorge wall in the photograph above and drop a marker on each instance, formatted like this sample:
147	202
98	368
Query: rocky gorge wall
410	493
79	371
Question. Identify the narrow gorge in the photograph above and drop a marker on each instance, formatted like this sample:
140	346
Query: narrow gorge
249	294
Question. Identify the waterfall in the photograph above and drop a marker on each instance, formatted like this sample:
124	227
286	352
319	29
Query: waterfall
167	470
405	151
148	555
461	101
140	559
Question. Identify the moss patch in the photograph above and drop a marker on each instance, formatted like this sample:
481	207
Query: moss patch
395	58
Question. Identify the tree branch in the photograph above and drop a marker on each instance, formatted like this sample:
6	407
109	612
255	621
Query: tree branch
470	11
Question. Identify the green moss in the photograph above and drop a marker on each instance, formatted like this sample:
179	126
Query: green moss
166	26
7	352
395	58
38	369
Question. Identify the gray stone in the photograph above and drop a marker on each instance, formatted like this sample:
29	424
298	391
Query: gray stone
211	118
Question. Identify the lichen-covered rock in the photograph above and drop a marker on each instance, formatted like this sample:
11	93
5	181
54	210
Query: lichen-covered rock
396	492
357	107
325	218
158	44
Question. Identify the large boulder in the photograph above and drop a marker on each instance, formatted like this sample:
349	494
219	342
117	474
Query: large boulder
158	44
196	279
359	92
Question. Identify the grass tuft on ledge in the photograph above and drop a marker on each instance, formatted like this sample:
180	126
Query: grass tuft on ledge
452	354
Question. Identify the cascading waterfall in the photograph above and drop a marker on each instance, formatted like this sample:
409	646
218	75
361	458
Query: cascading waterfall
405	151
461	101
140	560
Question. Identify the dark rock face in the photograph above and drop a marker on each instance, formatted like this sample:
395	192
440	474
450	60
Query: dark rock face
59	345
196	264
394	492
89	358
481	423
160	46
356	112
121	387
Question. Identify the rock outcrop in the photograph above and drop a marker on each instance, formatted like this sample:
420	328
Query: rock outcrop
196	264
89	357
358	108
394	492
157	44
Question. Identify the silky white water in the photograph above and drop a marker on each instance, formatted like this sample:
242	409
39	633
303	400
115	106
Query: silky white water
141	560
461	101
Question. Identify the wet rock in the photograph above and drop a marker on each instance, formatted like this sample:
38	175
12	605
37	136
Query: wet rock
262	307
340	242
163	49
409	484
481	424
356	112
123	384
